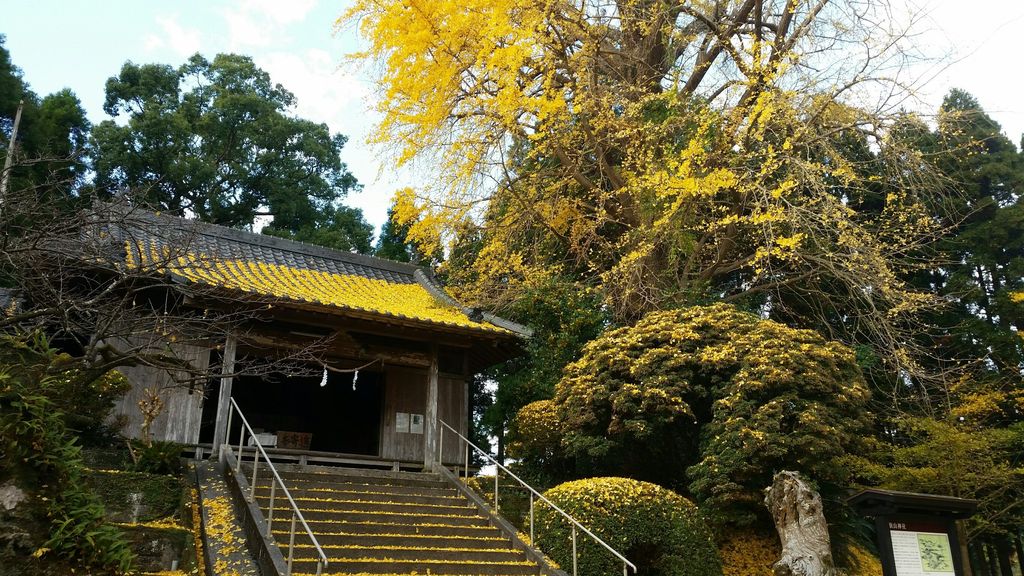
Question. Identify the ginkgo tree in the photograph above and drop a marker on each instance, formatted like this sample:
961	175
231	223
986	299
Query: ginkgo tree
663	153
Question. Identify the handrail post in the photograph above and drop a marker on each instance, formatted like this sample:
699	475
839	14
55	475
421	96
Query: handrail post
465	470
241	439
531	521
270	510
440	445
275	479
227	431
291	544
573	550
255	466
497	471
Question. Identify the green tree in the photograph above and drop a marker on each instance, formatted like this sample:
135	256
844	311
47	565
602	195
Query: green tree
52	137
713	400
217	140
983	263
394	244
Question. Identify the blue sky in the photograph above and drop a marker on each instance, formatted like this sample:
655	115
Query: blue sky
79	44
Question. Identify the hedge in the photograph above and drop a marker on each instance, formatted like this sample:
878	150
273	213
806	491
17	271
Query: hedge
655	528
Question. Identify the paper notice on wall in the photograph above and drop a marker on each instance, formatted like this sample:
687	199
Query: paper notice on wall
416	423
401	422
921	553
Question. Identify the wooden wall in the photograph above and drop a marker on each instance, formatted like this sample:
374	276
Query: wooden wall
406	391
453	409
180	418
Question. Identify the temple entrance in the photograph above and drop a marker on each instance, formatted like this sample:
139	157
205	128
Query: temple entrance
298	413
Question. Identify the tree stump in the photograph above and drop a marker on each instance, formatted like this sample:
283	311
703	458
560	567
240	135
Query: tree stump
797	512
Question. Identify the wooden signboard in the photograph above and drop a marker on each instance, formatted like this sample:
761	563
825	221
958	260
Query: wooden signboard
916	533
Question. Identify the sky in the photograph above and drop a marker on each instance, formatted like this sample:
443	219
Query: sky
78	44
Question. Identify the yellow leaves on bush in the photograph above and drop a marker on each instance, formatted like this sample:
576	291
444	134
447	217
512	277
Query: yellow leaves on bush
629	515
752	553
749	553
534	431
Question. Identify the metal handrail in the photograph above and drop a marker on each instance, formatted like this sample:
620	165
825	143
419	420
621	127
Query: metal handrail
626	564
321	563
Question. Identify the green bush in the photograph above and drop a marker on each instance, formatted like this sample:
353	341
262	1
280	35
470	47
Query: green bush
157	458
36	444
656	529
714	400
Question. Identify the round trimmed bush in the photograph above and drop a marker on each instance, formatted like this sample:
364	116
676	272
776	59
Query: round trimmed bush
656	529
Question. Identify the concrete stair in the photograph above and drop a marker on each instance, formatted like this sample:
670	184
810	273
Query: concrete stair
388	523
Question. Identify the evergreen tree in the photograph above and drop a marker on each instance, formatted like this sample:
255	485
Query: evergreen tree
217	140
52	152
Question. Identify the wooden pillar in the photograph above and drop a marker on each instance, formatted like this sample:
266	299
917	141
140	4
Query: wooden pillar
220	430
430	425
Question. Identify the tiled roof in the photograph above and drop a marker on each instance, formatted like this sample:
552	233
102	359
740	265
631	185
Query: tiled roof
291	271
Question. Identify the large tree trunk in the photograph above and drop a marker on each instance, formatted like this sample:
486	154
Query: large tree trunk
797	512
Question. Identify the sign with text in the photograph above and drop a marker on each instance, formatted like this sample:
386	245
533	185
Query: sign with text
408	423
921	548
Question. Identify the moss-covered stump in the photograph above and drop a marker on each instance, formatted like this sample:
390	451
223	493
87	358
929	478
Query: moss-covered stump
657	529
131	497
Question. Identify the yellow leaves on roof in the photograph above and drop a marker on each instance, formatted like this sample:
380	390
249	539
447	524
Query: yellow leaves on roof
348	291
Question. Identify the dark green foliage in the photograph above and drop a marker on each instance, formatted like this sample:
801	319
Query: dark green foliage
564	317
535	442
217	140
984	255
52	145
38	447
932	456
713	400
658	530
87	401
393	244
157	458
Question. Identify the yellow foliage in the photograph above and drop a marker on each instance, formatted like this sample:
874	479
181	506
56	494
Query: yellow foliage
747	553
573	142
751	553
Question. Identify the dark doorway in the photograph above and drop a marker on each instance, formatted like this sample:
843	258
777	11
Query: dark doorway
340	416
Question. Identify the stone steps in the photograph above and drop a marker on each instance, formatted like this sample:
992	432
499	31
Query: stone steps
393	523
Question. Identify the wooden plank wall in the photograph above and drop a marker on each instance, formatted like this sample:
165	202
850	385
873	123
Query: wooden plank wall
405	391
180	418
453	409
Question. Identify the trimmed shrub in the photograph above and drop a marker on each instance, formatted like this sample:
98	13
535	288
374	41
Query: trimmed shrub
656	529
714	400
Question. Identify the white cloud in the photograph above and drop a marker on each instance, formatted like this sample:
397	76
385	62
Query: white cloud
263	22
324	93
340	99
181	40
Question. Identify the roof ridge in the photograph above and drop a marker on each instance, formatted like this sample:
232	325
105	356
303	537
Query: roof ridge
287	244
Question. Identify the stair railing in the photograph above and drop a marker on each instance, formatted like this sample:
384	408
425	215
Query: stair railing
534	496
321	562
